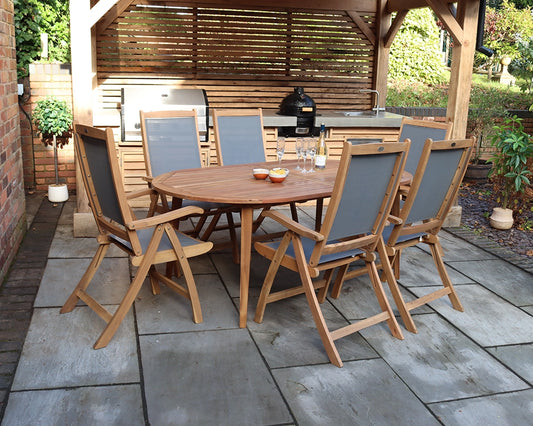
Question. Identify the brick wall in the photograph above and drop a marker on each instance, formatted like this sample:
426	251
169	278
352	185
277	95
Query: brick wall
46	80
12	202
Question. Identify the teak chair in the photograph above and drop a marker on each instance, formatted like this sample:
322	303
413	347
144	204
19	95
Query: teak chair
239	136
433	190
171	142
417	131
364	190
148	241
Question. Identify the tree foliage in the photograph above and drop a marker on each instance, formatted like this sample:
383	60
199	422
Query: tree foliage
522	66
415	52
33	17
504	26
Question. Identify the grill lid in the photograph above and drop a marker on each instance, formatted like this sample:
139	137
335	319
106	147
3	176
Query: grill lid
298	104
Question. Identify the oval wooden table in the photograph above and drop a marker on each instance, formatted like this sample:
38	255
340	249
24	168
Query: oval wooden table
236	185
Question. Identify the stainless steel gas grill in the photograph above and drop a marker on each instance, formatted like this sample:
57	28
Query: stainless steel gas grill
160	98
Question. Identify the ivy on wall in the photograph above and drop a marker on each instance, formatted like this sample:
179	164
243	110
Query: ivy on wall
33	17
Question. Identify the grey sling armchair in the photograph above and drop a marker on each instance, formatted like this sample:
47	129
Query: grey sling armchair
365	187
148	241
433	189
171	142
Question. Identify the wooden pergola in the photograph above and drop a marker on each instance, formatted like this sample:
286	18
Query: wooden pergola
268	46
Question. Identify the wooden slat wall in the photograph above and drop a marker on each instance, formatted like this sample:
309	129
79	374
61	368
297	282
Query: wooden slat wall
242	58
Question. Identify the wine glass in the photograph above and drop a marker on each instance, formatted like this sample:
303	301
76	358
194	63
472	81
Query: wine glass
298	148
311	151
280	148
305	147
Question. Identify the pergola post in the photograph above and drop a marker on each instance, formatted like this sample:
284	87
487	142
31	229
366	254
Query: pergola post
462	66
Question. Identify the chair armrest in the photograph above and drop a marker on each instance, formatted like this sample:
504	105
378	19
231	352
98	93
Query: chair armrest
148	179
163	218
395	220
134	194
293	226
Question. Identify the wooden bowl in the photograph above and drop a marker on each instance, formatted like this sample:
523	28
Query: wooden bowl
260	173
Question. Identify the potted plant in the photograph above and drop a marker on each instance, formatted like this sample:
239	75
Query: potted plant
53	118
513	148
490	107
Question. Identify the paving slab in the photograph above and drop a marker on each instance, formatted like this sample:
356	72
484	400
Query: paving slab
528	309
230	274
418	269
169	312
363	392
506	280
456	248
65	245
58	351
288	335
510	409
109	405
518	358
488	319
440	363
62	275
207	378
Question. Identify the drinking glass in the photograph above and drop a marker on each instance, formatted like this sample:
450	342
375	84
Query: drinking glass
311	151
305	147
280	148
298	148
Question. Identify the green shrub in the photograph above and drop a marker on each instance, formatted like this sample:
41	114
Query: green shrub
415	52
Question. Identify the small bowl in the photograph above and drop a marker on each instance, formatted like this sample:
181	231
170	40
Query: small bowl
278	175
260	173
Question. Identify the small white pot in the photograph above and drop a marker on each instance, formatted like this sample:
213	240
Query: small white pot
57	193
501	218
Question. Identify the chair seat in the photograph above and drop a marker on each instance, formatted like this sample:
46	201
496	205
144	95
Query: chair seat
309	245
146	234
416	236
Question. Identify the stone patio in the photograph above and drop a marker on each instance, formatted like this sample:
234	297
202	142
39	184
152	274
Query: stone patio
471	368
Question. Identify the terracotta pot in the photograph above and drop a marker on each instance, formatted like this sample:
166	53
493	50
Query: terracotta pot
478	172
501	218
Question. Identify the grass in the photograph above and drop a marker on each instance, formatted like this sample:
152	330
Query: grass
485	94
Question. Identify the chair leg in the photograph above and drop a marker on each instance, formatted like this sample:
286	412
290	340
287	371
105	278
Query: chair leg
395	290
154	282
382	299
324	290
269	278
337	286
235	249
131	294
294	212
187	273
312	300
436	250
86	279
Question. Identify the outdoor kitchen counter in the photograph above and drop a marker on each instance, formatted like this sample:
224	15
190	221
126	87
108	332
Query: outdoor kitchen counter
332	118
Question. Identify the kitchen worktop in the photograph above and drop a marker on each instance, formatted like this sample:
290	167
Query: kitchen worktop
335	118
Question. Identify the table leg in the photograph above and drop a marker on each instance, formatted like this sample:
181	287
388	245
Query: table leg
246	250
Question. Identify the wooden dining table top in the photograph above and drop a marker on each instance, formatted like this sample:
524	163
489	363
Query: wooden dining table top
237	185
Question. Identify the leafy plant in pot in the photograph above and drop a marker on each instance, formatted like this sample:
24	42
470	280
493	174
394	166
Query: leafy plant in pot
513	148
53	119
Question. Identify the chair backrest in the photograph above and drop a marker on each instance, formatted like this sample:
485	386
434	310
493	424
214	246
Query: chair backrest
170	141
239	136
97	157
434	186
417	131
365	187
